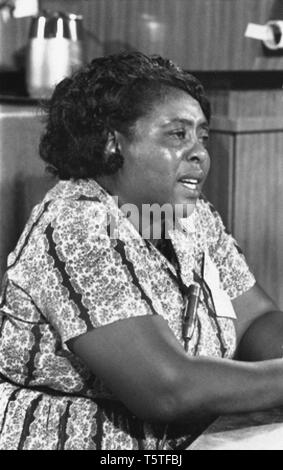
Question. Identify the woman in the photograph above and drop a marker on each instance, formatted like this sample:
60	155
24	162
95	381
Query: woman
95	350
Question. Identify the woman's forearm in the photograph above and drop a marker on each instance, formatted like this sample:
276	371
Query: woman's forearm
212	386
154	377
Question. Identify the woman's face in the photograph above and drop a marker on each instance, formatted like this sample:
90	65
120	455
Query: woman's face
165	159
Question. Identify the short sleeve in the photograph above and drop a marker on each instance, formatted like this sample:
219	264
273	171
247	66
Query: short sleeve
88	283
235	275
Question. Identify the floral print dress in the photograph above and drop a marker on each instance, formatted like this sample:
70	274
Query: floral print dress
67	275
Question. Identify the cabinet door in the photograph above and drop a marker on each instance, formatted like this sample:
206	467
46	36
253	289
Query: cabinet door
258	206
219	187
246	186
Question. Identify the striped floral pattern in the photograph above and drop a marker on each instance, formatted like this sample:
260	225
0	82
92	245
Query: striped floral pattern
67	276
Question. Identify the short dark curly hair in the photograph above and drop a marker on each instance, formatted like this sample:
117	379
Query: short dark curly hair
110	93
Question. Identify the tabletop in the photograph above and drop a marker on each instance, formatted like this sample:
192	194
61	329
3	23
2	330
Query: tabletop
261	430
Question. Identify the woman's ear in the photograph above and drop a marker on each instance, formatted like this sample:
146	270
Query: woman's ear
111	144
114	143
113	157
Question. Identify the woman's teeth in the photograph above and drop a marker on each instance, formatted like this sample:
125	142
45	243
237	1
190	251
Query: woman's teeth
190	183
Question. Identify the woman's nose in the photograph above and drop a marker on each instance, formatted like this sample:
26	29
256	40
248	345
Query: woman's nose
198	153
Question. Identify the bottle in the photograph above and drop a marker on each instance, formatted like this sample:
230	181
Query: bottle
54	51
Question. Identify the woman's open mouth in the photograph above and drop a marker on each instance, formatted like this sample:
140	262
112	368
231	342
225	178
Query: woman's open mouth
190	183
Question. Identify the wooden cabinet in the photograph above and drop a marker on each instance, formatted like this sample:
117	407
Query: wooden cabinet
200	35
246	186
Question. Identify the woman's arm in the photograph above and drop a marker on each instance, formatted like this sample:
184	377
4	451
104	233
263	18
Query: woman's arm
145	366
259	326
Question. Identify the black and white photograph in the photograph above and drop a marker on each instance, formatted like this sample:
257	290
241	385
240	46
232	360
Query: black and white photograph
141	227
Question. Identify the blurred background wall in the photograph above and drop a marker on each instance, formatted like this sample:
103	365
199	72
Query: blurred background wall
242	78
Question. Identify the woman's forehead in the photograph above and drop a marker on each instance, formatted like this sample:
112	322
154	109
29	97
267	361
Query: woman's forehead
178	106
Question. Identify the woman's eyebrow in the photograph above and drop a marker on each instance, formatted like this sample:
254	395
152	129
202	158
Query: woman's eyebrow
187	122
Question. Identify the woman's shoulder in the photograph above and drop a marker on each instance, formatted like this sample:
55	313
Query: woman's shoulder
79	190
70	216
69	209
75	199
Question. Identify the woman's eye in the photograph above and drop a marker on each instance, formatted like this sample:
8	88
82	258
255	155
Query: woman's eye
180	134
204	138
